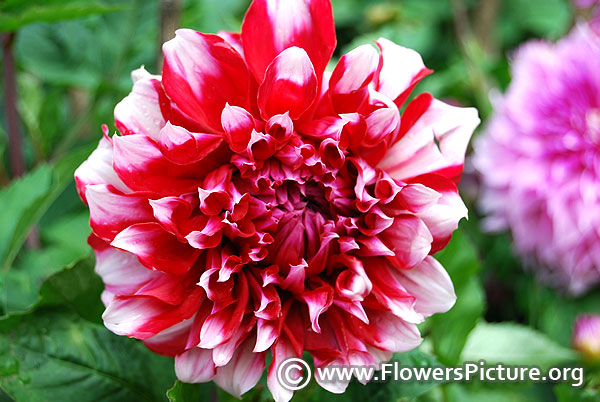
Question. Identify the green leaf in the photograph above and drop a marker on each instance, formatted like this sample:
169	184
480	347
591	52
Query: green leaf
64	245
449	331
25	201
78	287
22	205
15	14
183	392
54	355
459	258
476	391
514	344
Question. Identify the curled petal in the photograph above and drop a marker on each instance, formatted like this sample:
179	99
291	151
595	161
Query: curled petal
290	85
436	143
348	83
139	162
318	301
171	341
219	327
98	169
238	125
202	73
394	334
410	240
442	217
431	285
156	248
120	271
142	317
183	147
139	112
112	211
243	371
400	69
282	350
271	26
195	366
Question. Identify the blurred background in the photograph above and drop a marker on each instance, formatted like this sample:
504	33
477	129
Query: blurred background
67	63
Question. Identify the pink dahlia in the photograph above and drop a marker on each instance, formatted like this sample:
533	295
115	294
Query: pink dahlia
254	203
586	336
539	159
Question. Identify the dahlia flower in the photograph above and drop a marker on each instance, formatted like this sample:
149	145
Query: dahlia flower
586	336
539	159
254	203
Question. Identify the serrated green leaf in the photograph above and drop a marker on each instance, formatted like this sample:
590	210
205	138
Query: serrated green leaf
514	344
54	355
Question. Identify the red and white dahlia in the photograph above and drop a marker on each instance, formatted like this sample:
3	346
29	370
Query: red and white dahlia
254	203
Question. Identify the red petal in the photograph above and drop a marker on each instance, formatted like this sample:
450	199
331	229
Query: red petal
400	69
112	211
348	83
409	239
238	125
290	85
201	73
156	248
271	26
142	317
436	142
139	112
183	147
141	165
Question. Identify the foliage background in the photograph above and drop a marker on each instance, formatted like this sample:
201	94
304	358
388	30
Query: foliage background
73	63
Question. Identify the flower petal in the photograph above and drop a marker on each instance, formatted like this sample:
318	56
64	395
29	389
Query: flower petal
142	317
112	211
201	73
410	240
271	26
348	83
156	248
183	147
418	152
400	69
243	371
139	162
195	366
139	112
290	85
431	285
98	169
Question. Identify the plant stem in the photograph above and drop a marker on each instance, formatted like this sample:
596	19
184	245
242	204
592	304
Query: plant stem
12	118
170	13
10	106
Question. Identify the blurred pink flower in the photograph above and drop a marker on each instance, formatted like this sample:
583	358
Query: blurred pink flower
254	202
586	336
585	3
540	159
